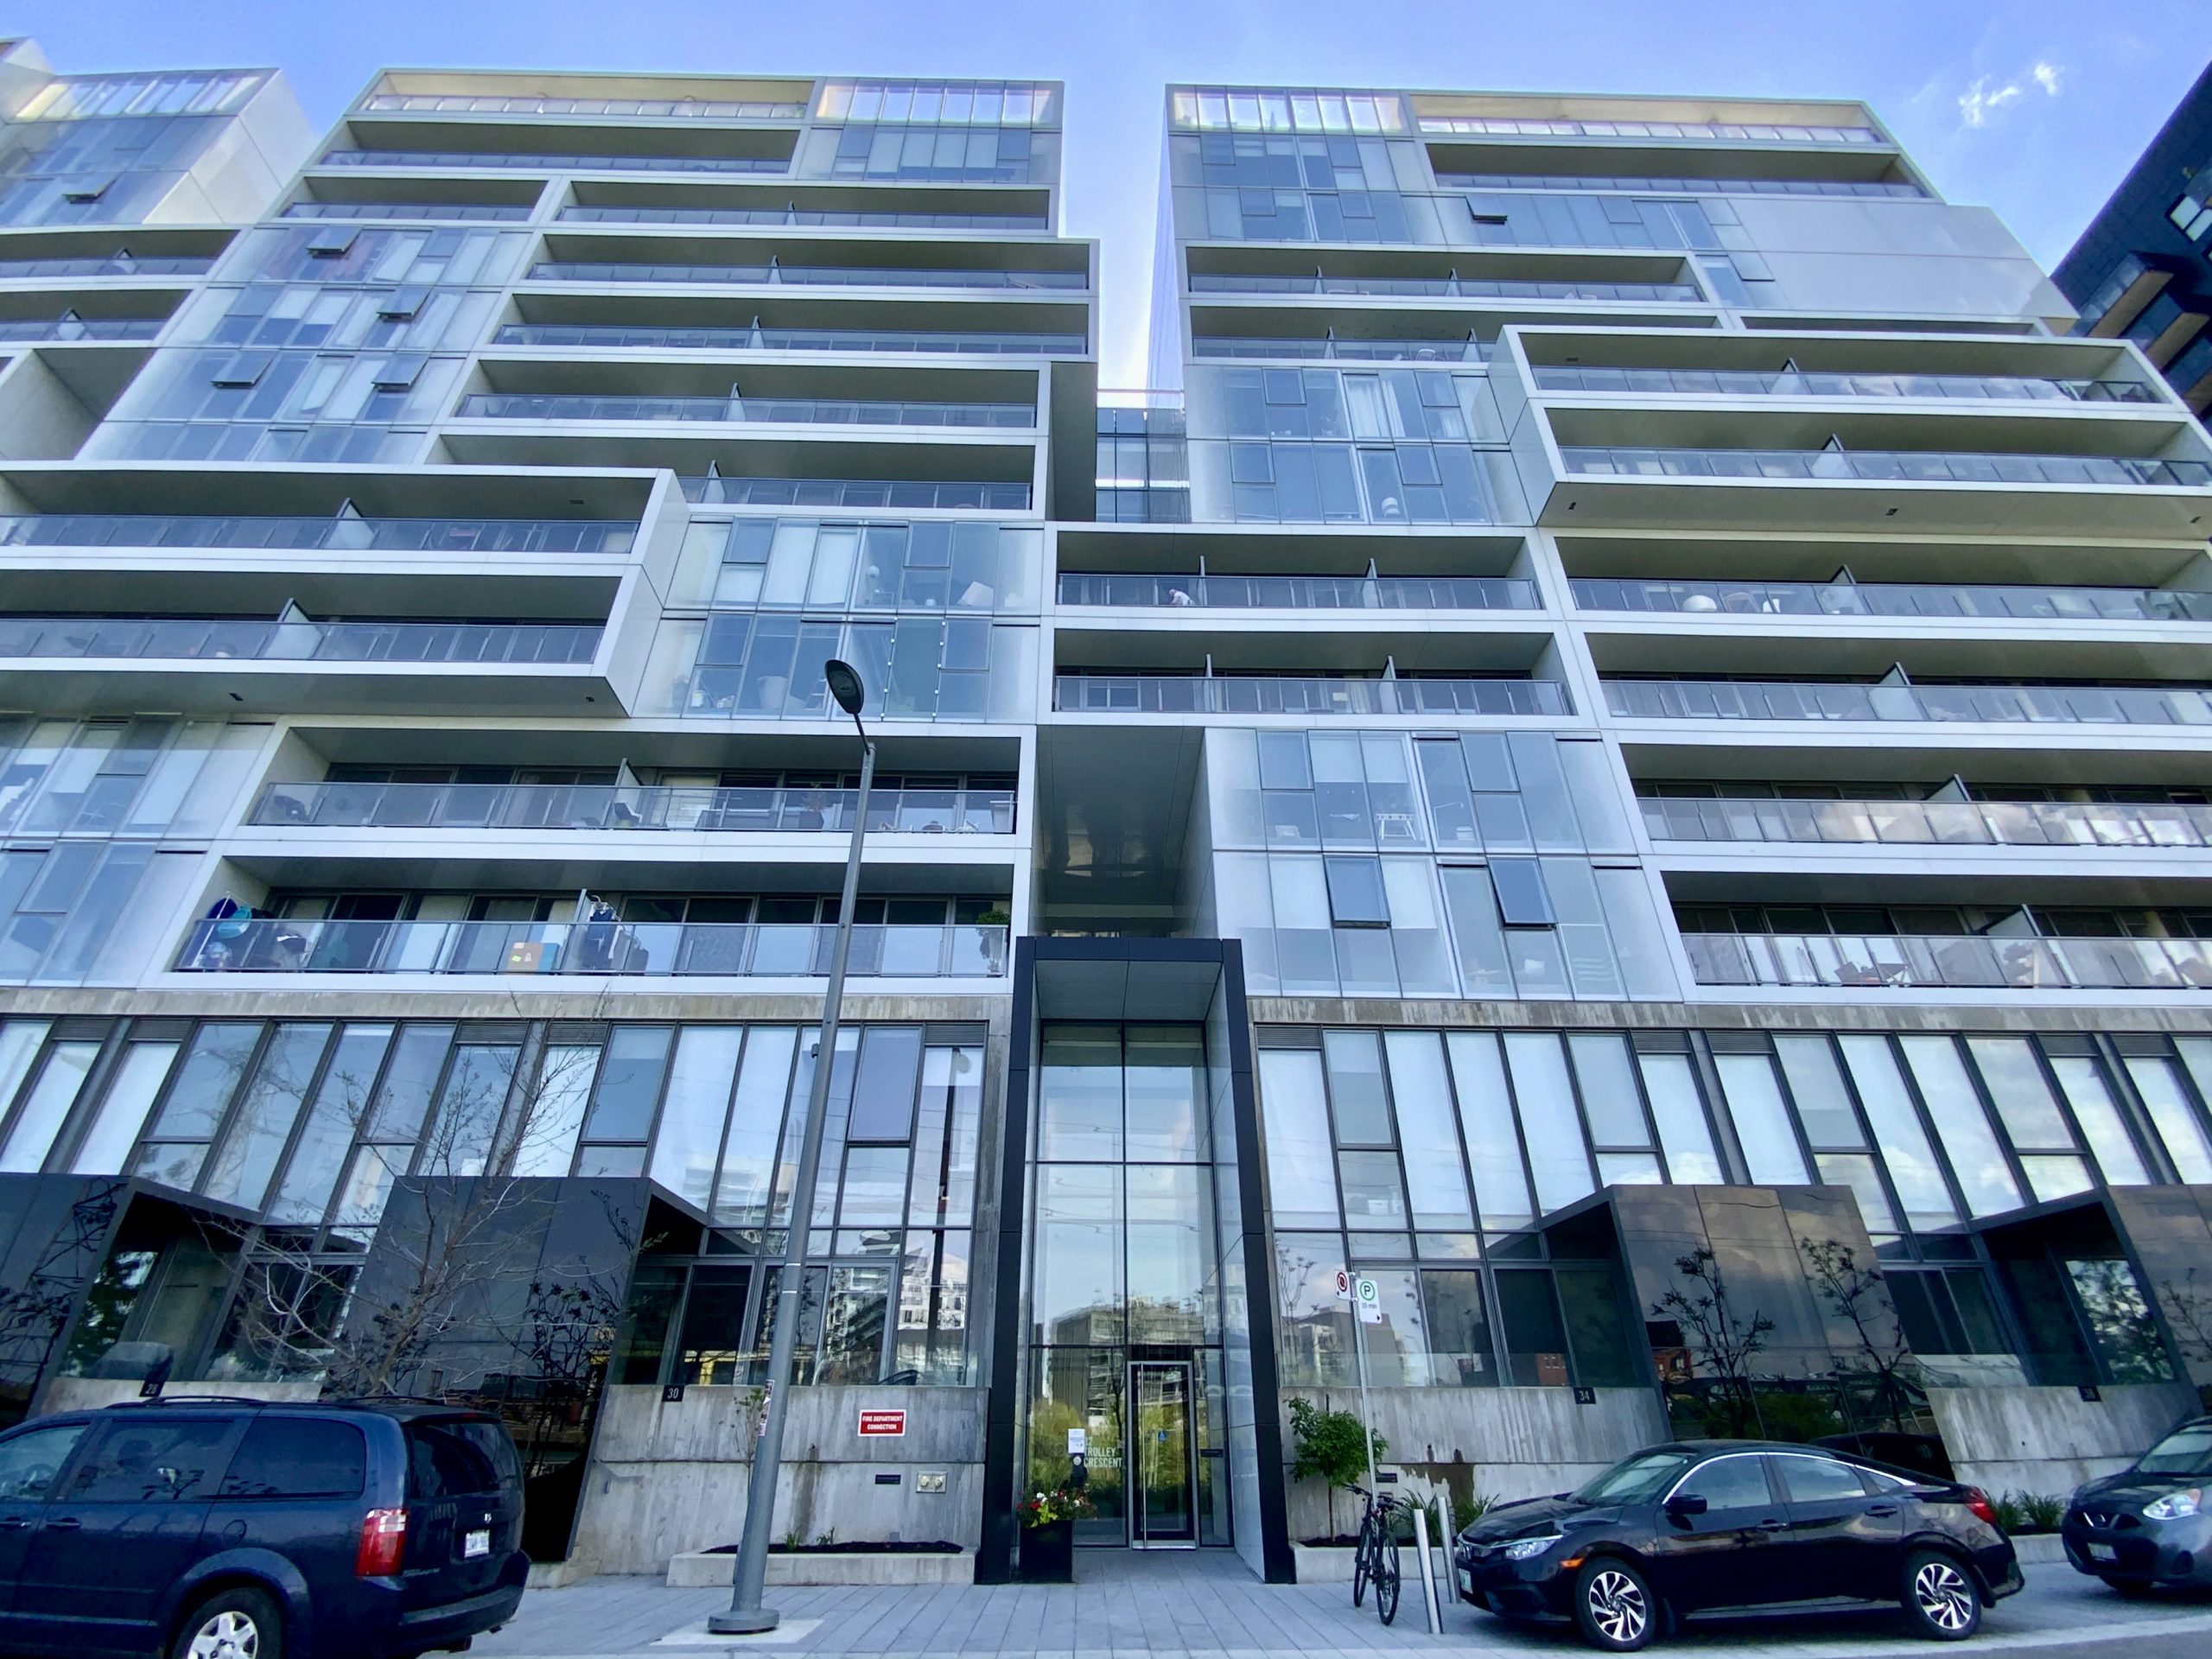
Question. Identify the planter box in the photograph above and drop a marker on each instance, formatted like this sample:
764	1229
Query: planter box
1322	1563
2040	1549
1048	1554
705	1568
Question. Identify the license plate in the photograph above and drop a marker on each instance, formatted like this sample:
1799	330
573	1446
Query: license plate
476	1543
2103	1552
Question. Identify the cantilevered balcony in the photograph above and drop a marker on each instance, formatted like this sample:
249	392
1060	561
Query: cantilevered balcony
121	263
1892	962
309	534
1304	694
1980	601
779	411
1791	382
69	327
1452	286
443	161
808	810
599	337
1899	466
1815	699
906	493
248	639
692	109
1928	823
776	273
1300	592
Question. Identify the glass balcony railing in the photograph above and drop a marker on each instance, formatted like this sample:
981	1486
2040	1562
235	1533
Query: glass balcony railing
1897	466
1304	592
507	211
248	640
584	270
114	265
307	535
1363	351
1677	186
700	109
737	950
988	811
52	329
1930	824
840	218
1908	961
1221	694
1514	126
1731	383
1988	602
774	411
2103	705
1453	286
447	160
591	336
907	493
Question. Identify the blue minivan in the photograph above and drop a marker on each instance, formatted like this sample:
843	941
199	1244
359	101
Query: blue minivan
217	1528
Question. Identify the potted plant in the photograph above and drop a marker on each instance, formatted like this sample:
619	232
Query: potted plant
991	931
1048	1534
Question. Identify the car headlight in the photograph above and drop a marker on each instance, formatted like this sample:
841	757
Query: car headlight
1524	1549
2173	1506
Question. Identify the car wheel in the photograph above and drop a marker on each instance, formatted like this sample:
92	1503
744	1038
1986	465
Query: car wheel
236	1623
1614	1608
1941	1600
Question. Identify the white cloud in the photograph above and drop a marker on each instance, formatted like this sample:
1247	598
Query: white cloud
1986	97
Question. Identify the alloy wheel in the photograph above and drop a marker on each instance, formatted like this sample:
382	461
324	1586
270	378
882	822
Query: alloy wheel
229	1634
1945	1599
1617	1607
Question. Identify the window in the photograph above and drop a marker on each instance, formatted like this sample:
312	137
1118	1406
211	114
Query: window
1356	893
1521	898
403	304
84	190
244	370
334	242
398	374
1733	1483
30	1462
1819	1480
297	1457
142	1461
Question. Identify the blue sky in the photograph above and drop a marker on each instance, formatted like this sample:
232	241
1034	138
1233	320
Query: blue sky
2034	107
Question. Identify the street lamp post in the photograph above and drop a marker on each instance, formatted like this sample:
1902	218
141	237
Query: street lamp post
745	1615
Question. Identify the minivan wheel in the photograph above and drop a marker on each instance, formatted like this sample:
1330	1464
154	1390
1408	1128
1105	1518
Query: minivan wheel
1614	1608
1941	1600
235	1624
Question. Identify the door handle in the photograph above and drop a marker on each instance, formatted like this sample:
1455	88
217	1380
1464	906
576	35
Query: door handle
65	1523
14	1523
1772	1525
1881	1509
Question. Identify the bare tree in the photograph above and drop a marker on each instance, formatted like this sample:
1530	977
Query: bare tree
1860	1296
1722	1343
2188	1308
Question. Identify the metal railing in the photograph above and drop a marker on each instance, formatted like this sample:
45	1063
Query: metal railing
360	535
903	492
1561	127
609	271
748	950
113	264
2004	388
704	109
792	214
1893	599
2107	705
253	640
1908	465
49	329
1904	961
616	337
1679	185
1929	823
1224	694
778	411
506	210
541	162
1365	351
1452	287
1304	592
798	811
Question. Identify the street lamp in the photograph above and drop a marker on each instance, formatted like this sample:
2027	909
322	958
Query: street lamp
745	1616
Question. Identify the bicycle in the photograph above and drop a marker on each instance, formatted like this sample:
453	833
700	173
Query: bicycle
1376	1559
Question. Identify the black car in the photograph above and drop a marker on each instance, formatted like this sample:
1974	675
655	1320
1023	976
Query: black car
228	1529
1703	1526
2150	1524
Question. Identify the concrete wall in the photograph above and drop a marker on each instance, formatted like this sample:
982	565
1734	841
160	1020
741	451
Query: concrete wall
1501	1443
669	1476
97	1393
2034	1439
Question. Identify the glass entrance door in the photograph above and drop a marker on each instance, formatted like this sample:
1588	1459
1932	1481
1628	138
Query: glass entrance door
1162	1479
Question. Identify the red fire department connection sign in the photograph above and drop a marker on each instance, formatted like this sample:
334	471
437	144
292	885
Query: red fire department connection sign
874	1423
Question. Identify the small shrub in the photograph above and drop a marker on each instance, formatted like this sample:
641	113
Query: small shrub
2028	1512
2010	1515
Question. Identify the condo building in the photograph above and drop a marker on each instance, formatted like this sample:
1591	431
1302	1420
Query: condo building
1616	749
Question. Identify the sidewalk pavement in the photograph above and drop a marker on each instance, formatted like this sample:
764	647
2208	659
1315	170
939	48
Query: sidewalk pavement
1205	1604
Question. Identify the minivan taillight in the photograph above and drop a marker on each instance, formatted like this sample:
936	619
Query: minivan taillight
384	1540
1977	1501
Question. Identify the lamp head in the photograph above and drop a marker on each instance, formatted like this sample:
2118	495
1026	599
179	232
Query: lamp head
845	686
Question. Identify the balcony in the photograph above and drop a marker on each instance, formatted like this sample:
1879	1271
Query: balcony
697	109
223	639
1826	961
633	807
451	159
1747	383
779	411
1303	593
1929	823
599	337
309	535
1193	694
582	270
1361	351
1507	126
1906	466
1980	602
659	949
472	212
113	264
1453	286
1788	700
839	217
906	493
61	330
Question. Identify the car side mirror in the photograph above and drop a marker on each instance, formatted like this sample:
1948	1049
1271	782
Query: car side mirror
1683	1505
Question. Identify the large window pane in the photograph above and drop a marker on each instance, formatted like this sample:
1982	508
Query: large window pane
2180	1125
1486	1122
749	1169
1535	1339
1823	1104
883	1098
690	1133
240	1171
1170	1256
105	1149
1771	1155
1458	1330
340	1108
1549	1124
629	1084
1610	1103
2099	1115
206	1082
1077	1276
1435	1182
2024	1104
712	1347
1357	1102
1903	1144
44	1109
1079	1104
555	1114
1976	1159
471	1105
1165	1084
1683	1132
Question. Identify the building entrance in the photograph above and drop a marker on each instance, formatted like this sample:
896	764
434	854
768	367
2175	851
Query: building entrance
1162	1456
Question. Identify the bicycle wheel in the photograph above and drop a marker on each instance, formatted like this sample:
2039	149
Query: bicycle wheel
1363	1558
1387	1579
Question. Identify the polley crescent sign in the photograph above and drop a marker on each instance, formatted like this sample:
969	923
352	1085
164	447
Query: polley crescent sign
875	1423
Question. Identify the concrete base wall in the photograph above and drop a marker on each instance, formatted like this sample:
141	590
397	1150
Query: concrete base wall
702	1569
97	1393
668	1476
1497	1443
2036	1440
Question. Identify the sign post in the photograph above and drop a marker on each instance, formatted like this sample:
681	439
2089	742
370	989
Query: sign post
1366	1298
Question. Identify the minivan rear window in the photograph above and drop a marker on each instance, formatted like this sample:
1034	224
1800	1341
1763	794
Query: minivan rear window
449	1457
298	1457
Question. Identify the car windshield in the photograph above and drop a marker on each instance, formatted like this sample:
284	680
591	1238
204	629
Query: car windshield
1633	1479
2185	1451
